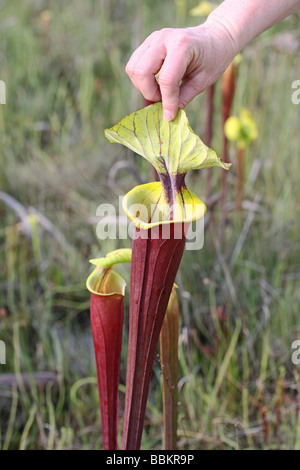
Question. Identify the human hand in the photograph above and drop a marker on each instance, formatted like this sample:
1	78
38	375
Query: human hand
190	60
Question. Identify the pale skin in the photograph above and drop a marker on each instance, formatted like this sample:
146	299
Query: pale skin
191	59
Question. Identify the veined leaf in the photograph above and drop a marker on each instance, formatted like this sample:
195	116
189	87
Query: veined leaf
173	149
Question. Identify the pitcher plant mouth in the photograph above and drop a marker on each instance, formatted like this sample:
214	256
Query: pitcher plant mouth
146	206
103	280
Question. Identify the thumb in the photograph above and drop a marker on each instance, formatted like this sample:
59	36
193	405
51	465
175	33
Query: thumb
190	88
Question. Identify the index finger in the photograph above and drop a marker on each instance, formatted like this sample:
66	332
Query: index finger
142	68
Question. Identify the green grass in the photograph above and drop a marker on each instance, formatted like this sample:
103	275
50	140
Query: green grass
239	298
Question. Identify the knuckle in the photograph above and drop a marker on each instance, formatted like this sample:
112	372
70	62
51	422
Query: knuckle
163	35
151	96
138	72
134	71
166	81
183	103
182	40
153	35
165	31
129	69
156	37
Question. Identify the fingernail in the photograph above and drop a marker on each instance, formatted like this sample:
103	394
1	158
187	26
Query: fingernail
168	116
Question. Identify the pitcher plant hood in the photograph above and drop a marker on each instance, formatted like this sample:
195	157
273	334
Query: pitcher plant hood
173	149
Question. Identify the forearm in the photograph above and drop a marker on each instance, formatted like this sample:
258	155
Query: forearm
246	19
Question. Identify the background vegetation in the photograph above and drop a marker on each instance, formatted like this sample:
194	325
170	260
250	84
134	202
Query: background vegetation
63	64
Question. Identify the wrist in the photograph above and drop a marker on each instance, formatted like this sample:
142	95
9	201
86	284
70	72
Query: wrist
219	39
227	32
244	20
